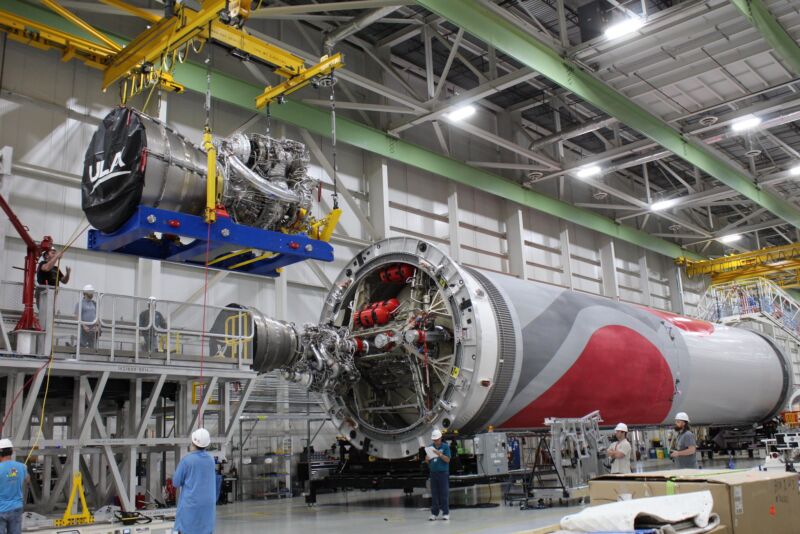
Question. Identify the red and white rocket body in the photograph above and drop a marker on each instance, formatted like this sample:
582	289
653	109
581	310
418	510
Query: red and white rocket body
524	351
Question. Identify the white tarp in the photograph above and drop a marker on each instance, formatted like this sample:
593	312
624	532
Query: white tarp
621	516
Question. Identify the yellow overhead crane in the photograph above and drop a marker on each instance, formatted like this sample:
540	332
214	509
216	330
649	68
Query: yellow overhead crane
150	57
780	264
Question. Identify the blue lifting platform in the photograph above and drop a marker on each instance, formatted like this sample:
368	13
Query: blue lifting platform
233	247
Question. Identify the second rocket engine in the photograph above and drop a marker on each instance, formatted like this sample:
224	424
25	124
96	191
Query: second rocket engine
409	340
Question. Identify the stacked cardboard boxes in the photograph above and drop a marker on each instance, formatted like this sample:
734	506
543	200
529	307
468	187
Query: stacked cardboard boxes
747	501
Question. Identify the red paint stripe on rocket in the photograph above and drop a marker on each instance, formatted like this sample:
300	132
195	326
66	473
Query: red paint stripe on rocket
686	324
619	373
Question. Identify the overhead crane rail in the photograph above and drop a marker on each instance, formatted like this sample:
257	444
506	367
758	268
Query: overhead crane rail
152	55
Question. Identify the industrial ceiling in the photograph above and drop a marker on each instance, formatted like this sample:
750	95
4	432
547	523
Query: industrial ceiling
686	78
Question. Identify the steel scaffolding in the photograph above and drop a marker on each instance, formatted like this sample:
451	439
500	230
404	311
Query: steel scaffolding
119	412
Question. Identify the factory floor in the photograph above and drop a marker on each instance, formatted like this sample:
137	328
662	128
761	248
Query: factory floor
358	512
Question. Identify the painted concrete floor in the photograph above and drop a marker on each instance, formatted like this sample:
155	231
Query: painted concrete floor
358	512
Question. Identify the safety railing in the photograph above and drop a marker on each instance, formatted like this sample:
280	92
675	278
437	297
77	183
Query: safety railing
751	298
116	327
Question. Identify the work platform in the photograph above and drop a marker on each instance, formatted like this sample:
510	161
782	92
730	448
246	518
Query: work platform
157	234
120	411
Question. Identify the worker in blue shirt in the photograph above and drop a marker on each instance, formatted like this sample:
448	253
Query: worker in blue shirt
196	477
12	478
439	467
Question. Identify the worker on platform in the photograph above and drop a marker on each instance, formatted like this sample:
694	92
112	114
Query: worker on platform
48	273
86	310
12	478
684	445
151	321
439	466
196	477
620	451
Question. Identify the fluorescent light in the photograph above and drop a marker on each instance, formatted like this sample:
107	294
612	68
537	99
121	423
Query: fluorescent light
794	171
623	28
461	113
730	238
588	172
748	122
663	204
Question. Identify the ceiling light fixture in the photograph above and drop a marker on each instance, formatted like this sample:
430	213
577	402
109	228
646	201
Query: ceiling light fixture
732	238
588	172
794	171
748	122
663	204
623	28
461	113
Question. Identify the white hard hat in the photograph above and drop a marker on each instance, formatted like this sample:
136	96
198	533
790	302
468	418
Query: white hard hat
88	287
436	434
5	443
681	416
201	438
622	427
152	297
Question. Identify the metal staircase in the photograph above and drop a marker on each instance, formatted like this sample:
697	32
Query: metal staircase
760	305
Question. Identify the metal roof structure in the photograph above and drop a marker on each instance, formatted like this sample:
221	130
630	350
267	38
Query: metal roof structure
698	66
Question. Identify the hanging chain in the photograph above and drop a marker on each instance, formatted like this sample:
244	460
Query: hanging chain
333	144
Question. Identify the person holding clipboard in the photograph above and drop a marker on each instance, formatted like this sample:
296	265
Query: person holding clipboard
438	457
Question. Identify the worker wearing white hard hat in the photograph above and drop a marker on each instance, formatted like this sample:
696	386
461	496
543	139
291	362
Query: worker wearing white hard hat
86	310
620	451
438	458
196	477
12	480
684	445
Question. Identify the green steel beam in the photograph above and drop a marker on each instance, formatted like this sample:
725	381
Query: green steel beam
479	20
759	16
228	89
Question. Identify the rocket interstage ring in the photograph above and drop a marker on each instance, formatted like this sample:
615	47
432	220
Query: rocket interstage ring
401	396
509	353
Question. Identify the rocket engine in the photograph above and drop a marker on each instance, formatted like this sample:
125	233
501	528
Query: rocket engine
409	339
134	159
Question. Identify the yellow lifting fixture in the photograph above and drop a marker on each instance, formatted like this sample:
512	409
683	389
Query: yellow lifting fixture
84	517
780	264
154	53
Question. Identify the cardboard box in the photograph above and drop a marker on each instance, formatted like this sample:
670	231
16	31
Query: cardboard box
749	502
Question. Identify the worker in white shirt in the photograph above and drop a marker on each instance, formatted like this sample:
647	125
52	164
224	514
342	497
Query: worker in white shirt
620	451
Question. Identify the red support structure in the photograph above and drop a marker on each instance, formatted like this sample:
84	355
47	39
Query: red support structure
29	320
